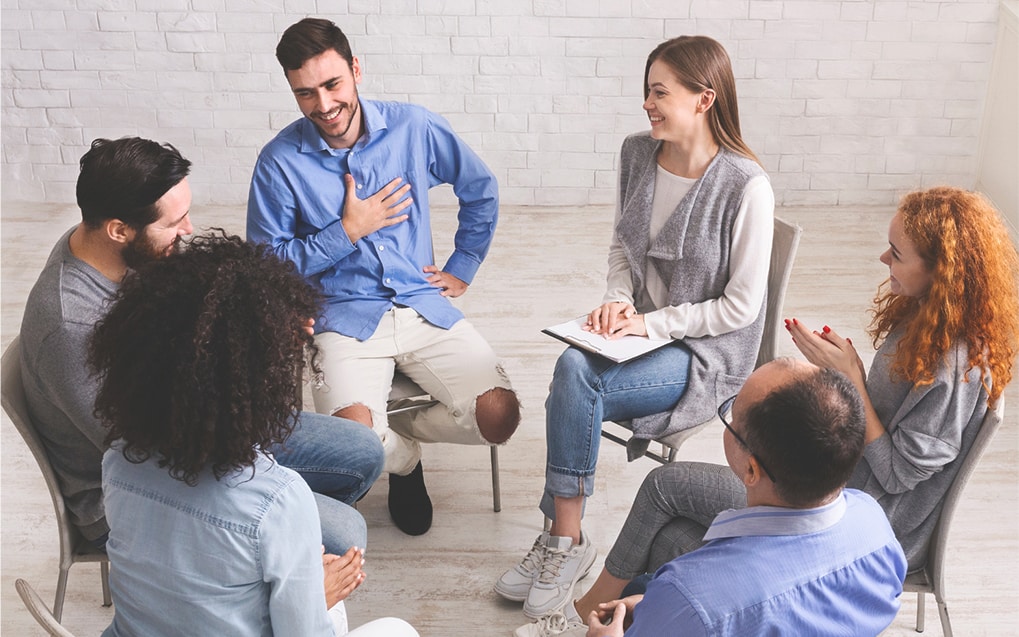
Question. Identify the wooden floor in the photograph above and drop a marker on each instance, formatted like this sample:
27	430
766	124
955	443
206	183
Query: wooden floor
547	265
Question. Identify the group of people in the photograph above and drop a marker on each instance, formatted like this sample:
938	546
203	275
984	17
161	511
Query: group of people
164	376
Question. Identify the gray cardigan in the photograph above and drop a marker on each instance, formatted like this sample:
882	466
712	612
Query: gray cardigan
691	253
930	429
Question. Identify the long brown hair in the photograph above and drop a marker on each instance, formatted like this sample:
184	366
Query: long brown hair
974	294
701	63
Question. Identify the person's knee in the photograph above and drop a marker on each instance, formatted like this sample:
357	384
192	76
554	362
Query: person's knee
498	413
358	412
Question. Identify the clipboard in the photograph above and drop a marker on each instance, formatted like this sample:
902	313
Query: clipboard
617	351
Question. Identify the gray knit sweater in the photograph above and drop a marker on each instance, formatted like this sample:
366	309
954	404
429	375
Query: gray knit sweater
930	429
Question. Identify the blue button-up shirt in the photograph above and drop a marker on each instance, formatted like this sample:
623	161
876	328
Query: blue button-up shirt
296	204
833	570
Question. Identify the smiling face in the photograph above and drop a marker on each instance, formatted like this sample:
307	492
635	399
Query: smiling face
326	91
673	110
909	274
162	237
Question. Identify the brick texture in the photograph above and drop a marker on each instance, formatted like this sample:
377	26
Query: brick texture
845	101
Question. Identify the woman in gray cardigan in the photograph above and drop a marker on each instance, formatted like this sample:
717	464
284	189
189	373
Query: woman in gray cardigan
946	324
689	262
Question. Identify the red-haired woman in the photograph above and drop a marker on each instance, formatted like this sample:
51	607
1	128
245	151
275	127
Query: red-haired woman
946	324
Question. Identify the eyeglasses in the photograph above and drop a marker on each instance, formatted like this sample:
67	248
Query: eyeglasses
724	409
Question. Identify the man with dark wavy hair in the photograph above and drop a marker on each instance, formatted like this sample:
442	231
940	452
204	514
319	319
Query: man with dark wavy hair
343	193
135	204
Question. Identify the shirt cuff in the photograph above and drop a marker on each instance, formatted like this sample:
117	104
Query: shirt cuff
462	266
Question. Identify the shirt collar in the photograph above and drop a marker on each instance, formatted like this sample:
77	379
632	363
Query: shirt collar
768	520
374	124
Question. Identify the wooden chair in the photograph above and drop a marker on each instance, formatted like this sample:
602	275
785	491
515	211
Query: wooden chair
73	547
785	241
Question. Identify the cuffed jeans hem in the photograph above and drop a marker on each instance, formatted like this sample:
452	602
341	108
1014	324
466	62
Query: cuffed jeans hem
563	485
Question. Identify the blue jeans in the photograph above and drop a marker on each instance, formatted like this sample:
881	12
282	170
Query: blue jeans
588	389
340	460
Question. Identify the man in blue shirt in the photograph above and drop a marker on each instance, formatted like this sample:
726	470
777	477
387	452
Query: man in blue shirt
805	557
343	193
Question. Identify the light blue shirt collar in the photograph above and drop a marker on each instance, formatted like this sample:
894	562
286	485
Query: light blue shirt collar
374	125
769	520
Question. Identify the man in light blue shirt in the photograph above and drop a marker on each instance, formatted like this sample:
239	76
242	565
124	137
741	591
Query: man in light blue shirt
343	193
806	556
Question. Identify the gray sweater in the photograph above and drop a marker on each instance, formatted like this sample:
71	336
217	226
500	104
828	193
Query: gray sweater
691	253
62	309
930	429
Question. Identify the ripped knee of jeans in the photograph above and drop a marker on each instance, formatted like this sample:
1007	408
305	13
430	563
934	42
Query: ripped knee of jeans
357	412
498	414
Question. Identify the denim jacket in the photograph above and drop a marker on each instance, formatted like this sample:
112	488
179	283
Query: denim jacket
237	556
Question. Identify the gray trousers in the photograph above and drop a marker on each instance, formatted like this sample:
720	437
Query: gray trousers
671	513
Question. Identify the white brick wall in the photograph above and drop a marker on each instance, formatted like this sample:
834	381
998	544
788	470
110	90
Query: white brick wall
845	101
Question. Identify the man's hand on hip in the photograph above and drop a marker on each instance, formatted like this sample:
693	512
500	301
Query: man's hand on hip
450	285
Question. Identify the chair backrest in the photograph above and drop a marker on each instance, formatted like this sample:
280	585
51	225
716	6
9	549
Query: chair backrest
938	546
12	395
785	241
39	610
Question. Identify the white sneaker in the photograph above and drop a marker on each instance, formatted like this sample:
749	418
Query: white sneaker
556	624
516	582
563	565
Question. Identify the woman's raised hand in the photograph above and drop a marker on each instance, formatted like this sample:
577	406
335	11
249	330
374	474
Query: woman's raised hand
827	349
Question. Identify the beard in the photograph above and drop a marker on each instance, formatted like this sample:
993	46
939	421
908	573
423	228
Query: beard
141	250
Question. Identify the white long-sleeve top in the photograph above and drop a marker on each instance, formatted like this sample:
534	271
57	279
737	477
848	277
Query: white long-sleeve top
749	259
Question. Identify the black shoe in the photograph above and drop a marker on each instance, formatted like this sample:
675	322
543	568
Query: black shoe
409	504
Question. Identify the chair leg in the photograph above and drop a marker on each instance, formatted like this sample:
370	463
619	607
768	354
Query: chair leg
104	571
58	601
921	601
496	493
946	626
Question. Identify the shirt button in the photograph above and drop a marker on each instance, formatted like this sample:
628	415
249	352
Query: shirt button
382	248
388	281
359	186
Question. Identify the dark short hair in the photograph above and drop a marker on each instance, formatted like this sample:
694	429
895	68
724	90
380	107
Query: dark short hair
309	38
198	356
124	178
809	433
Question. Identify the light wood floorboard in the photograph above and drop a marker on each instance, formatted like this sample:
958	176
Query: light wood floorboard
546	265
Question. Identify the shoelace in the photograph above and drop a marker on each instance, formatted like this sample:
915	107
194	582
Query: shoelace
552	564
532	561
553	624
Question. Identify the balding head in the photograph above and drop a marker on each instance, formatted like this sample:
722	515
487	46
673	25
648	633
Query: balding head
805	424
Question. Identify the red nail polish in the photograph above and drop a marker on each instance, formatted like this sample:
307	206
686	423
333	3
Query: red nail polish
795	322
826	329
849	340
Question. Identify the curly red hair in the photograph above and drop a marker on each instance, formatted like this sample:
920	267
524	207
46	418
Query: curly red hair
974	294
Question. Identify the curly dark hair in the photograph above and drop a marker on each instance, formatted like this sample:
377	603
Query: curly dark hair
198	356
